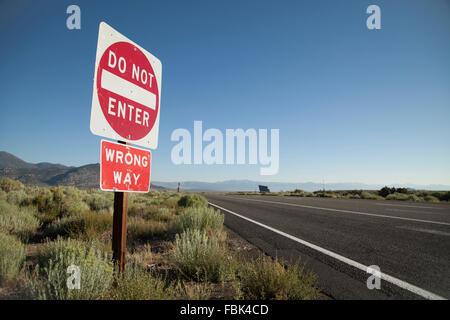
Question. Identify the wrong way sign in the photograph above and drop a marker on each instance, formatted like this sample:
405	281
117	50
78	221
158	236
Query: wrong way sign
127	90
124	168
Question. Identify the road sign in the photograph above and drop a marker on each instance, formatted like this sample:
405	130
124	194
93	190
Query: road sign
127	90
124	168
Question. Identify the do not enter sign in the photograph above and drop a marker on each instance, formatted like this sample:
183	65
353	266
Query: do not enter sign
127	91
127	88
124	168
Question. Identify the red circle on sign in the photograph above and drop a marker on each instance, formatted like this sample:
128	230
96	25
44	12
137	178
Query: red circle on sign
127	90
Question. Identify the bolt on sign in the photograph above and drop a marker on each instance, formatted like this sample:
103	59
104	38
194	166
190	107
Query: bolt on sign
124	168
127	90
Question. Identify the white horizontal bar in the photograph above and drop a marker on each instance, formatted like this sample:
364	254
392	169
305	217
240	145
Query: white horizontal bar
127	89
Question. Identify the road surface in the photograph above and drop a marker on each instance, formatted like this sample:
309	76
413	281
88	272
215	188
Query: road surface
339	238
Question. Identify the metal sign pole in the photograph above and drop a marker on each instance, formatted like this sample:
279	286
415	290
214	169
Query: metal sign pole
119	236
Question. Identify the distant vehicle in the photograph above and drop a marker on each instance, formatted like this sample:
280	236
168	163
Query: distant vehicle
263	189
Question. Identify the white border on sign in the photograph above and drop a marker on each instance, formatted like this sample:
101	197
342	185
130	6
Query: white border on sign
124	145
99	125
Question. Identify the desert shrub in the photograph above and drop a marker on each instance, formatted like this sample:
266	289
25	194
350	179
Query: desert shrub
43	200
397	196
430	198
48	206
138	284
194	290
58	202
370	196
50	281
267	279
153	197
46	217
70	200
17	197
50	249
354	196
401	190
200	258
70	192
192	200
300	193
163	214
140	255
324	194
415	198
12	256
385	191
97	202
172	201
137	209
141	229
18	221
30	192
9	185
143	210
144	200
151	212
442	196
201	218
85	225
73	206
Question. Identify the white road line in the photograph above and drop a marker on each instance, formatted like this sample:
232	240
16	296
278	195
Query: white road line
411	211
400	283
347	211
404	205
437	232
127	89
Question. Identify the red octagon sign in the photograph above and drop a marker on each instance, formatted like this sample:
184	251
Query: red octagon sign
127	90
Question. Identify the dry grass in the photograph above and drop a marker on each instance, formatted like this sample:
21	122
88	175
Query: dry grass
268	279
66	226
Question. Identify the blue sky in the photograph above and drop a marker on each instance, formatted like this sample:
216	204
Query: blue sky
352	104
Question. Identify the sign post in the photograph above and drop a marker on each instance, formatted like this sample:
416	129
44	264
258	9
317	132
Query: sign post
125	107
119	236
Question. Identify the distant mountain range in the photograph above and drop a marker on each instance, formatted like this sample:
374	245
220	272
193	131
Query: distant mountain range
50	174
88	176
7	160
248	185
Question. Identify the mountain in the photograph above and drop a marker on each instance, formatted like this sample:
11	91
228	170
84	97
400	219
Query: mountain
51	174
33	176
248	185
88	176
8	160
47	165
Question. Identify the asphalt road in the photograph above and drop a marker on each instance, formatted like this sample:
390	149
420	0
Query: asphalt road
339	238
